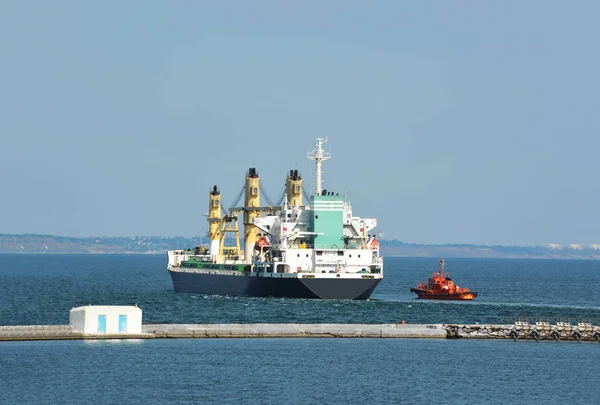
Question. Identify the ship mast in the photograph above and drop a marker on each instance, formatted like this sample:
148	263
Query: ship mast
319	155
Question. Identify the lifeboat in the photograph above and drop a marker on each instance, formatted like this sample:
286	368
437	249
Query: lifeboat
262	244
441	287
374	243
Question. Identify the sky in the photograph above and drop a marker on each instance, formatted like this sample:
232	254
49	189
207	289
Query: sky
448	121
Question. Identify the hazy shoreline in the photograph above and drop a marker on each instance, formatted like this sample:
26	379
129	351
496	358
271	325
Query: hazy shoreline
156	245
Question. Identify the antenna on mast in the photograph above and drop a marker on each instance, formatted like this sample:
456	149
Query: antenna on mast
319	155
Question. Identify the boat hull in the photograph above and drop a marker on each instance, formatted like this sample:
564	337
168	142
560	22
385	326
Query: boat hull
256	286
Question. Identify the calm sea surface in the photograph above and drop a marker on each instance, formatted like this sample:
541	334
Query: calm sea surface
41	289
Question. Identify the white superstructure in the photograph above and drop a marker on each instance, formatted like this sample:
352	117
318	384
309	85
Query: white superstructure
290	234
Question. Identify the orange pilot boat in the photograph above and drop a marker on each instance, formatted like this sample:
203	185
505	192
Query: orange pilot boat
441	287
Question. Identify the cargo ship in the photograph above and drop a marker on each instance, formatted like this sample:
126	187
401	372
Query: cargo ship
290	250
441	287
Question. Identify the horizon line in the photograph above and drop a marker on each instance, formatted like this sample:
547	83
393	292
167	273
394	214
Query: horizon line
551	246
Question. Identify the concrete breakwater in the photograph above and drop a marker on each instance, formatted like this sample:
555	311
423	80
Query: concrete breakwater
58	332
517	331
259	330
291	330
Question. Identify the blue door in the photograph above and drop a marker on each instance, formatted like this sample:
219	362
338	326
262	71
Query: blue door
101	323
122	323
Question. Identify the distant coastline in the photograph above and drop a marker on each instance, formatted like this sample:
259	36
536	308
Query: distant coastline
48	244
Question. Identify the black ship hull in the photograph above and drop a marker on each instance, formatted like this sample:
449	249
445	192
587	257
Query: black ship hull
253	286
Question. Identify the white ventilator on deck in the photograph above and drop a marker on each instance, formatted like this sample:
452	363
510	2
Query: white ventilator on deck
106	319
319	155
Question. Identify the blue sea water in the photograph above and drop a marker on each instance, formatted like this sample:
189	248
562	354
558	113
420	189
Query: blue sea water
40	289
298	371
